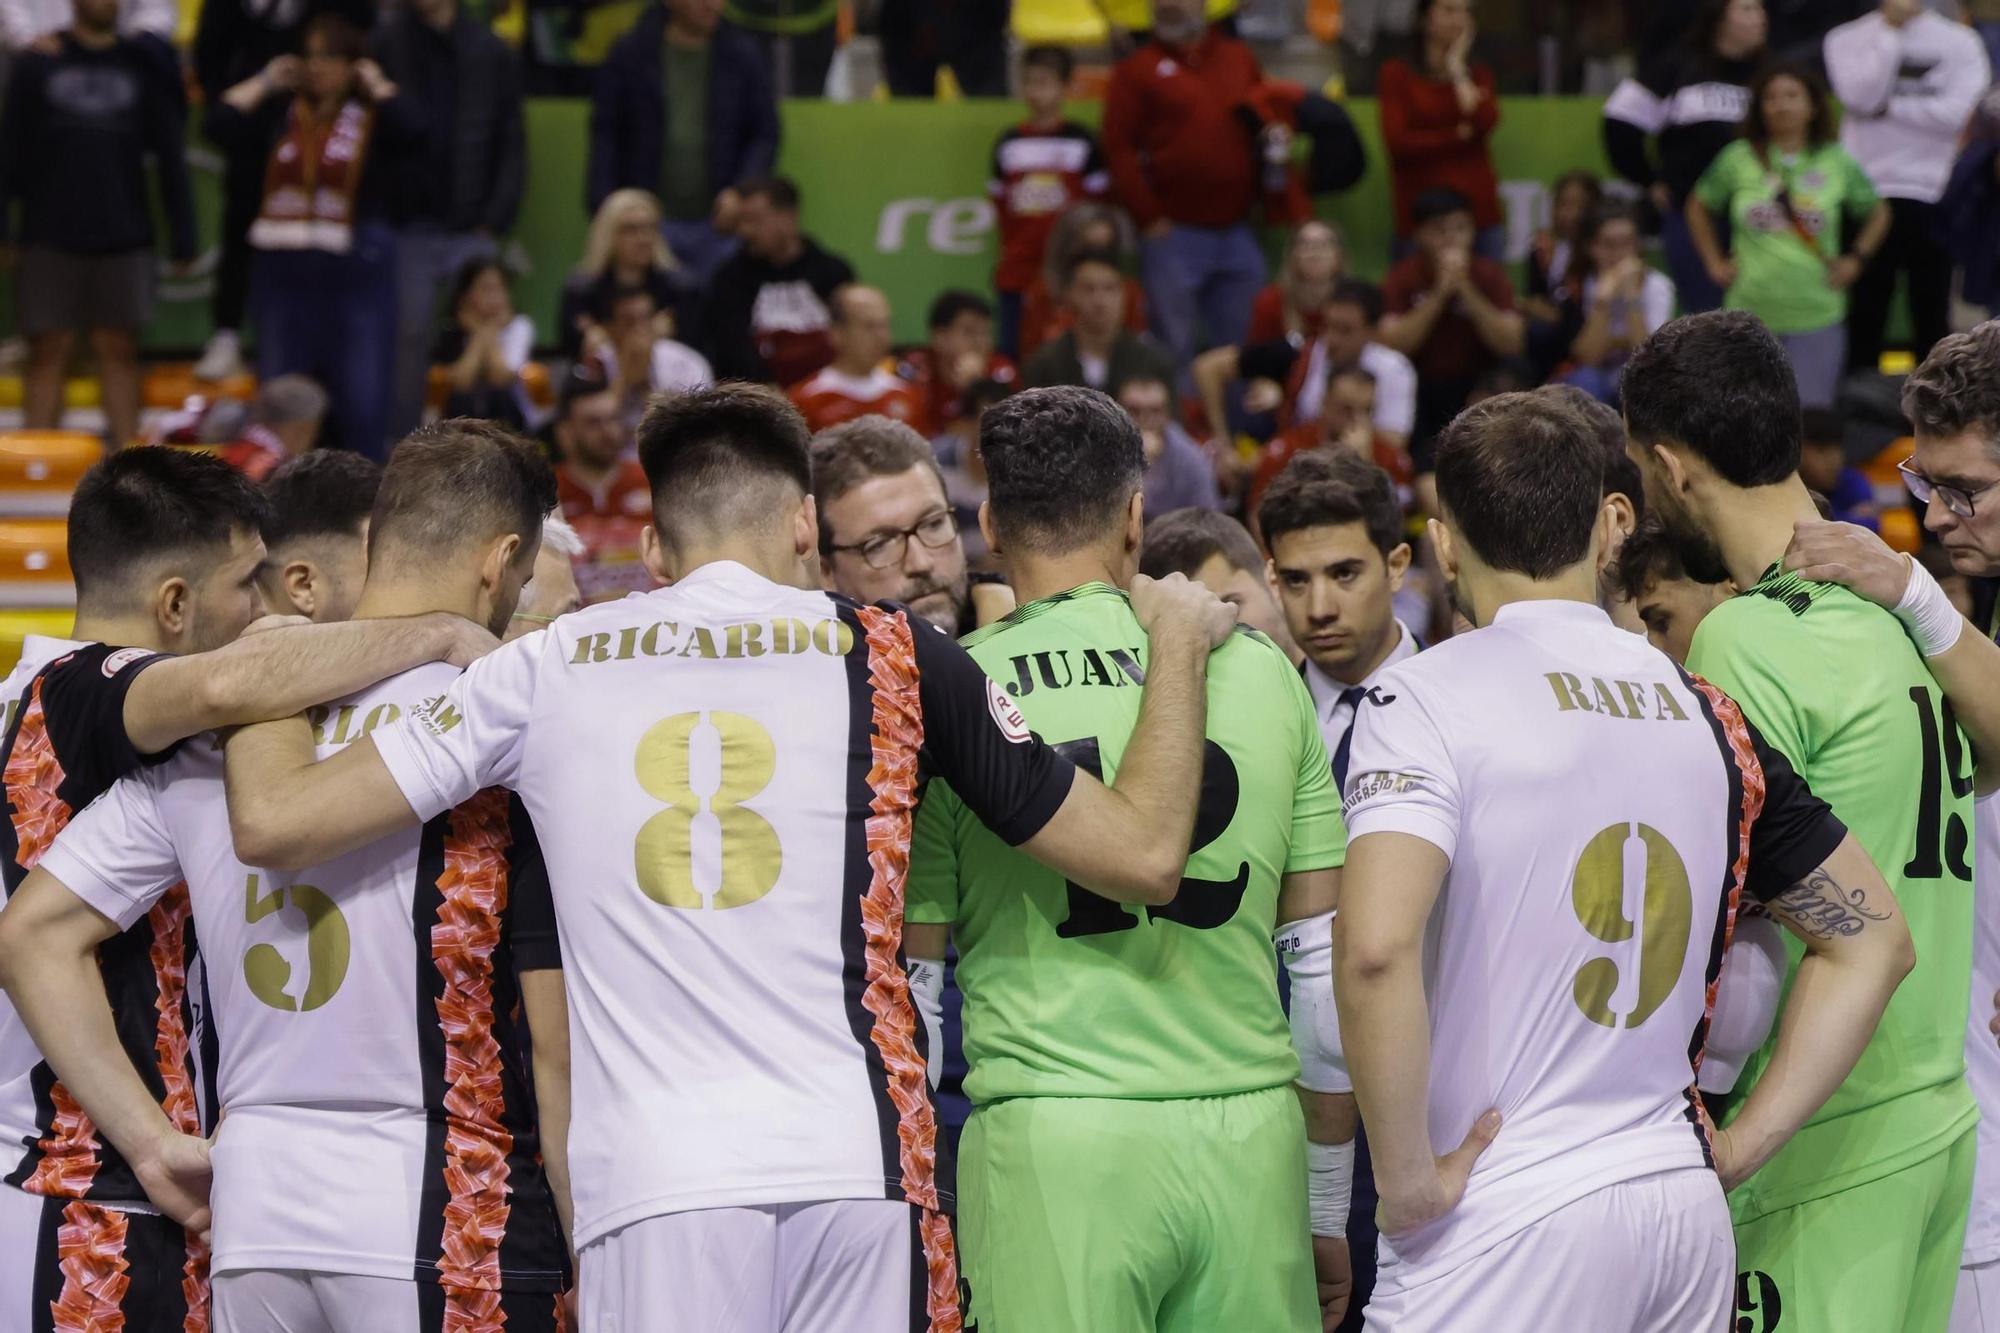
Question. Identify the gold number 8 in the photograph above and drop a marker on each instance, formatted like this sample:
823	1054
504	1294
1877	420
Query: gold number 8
327	948
1597	892
664	855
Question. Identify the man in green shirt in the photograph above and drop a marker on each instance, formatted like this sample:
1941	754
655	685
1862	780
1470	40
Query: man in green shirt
1137	1159
1857	1223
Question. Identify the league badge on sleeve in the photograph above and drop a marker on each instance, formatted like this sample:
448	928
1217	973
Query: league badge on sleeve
1012	725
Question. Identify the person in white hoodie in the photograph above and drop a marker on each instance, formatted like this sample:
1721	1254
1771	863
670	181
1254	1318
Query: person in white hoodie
1908	79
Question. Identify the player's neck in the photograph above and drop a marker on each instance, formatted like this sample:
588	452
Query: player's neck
1492	589
778	563
1753	527
389	599
1034	577
120	631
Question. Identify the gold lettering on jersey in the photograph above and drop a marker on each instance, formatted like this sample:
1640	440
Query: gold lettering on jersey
701	643
1598	896
267	970
738	639
344	732
1668	705
751	857
1627	700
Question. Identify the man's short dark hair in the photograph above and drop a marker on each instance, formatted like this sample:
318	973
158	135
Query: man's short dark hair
458	481
143	505
846	455
1650	555
1521	476
718	457
1437	202
604	304
327	492
1061	465
1720	385
777	191
1185	540
1355	291
1108	258
1055	59
949	305
1621	474
1957	388
1327	489
578	385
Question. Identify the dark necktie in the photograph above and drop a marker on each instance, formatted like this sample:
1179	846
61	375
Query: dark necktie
1351	698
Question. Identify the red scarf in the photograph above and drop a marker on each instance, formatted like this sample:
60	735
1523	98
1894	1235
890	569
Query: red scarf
312	178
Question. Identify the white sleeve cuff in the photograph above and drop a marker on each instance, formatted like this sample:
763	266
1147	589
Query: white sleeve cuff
398	744
102	892
1431	826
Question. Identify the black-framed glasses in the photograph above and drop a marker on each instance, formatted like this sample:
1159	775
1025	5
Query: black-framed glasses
935	530
1957	499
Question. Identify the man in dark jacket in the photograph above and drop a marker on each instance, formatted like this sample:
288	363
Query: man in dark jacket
460	195
768	312
684	108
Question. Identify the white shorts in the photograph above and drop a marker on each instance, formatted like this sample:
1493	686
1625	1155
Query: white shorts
842	1266
1654	1255
1976	1307
90	1262
284	1300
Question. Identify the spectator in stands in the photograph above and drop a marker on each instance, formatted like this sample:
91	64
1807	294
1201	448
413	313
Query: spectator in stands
1823	466
483	346
80	120
323	280
283	423
1690	100
962	466
1450	311
551	591
1908	80
1098	351
1554	262
29	24
315	530
856	382
1085	227
460	195
1618	302
1437	123
1790	194
627	348
624	249
1346	422
1184	168
1214	550
683	108
1041	167
767	310
886	530
921	36
960	354
1179	472
1294	306
601	489
1652	576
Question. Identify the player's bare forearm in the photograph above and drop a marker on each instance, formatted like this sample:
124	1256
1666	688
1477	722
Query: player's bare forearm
1331	1117
282	671
287	812
547	1008
921	940
1308	893
1858	951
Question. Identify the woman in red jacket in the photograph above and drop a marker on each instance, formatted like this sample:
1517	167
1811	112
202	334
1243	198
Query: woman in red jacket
1438	119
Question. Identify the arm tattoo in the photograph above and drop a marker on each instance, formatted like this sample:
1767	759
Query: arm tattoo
1822	907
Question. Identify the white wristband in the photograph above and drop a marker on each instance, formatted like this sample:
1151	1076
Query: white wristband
927	994
1329	1186
1927	613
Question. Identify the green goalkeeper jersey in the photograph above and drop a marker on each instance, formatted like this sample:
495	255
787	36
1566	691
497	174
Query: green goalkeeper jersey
1833	683
1071	995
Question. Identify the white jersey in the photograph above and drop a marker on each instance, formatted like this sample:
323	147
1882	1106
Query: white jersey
1597	809
724	773
377	1118
1982	1048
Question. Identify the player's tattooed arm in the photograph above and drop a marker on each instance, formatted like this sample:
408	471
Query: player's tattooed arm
1820	906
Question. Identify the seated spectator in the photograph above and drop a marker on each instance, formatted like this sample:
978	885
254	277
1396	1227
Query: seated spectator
1450	311
629	350
85	109
1347	422
624	249
1214	550
1179	472
1823	466
322	280
315	530
1552	254
766	311
1620	300
1086	227
856	383
601	489
963	468
282	423
960	354
552	590
483	346
1438	116
1653	576
1293	308
1098	350
1041	167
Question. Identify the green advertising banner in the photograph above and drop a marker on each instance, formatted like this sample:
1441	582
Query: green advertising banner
899	188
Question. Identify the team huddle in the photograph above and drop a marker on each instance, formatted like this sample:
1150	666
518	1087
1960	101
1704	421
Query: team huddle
368	976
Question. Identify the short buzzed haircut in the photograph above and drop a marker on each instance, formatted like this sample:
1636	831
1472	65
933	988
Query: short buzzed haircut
718	457
459	481
144	506
1957	388
1621	474
1650	555
1329	488
324	492
1061	465
853	452
1720	385
1360	293
1185	540
1521	477
778	191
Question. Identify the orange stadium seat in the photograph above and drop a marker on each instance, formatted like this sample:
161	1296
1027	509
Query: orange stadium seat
39	469
34	564
169	386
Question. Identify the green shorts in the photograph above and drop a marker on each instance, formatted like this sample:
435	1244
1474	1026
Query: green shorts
1092	1215
1879	1258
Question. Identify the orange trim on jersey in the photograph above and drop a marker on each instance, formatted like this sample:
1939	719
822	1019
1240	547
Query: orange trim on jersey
69	1159
169	920
33	776
476	1142
90	1252
897	737
194	1286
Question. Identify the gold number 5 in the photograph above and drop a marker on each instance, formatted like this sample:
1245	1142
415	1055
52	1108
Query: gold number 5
1597	892
268	972
664	856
